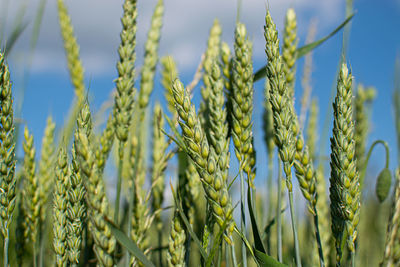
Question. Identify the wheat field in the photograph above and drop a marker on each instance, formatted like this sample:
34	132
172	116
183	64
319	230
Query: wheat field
153	185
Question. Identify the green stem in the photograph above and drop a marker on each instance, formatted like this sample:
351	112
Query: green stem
243	216
234	261
269	186
296	240
278	212
6	243
34	255
364	170
318	238
159	243
119	182
353	259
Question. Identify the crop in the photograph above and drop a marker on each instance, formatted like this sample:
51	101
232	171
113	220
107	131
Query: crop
184	187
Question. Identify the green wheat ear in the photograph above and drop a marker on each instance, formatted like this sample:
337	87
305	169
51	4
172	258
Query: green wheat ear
204	157
7	154
126	72
151	55
345	187
60	203
176	245
31	189
280	100
72	51
289	50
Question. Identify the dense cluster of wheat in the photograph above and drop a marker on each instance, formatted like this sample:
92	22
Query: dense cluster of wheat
58	209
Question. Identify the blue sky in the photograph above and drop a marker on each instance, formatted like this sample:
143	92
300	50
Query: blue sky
374	43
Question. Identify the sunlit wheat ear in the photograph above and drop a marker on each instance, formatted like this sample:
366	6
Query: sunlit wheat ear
211	55
279	99
205	160
151	55
46	166
363	98
72	51
60	205
176	244
268	122
81	170
7	152
242	100
126	72
289	52
218	123
31	189
160	160
345	188
391	256
169	73
106	142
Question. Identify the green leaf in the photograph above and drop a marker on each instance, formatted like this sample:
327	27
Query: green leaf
264	260
128	243
256	234
301	51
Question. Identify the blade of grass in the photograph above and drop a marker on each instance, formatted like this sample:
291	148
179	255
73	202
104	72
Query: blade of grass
256	234
126	242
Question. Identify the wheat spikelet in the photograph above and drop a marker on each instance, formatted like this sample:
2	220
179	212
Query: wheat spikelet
344	189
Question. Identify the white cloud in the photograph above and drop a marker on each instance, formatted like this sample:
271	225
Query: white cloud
185	30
